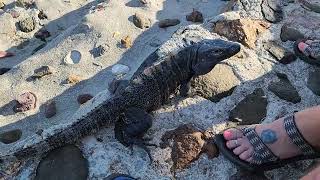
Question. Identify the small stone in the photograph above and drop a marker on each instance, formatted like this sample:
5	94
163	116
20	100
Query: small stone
10	136
282	54
50	109
42	15
290	33
141	21
100	50
272	10
195	16
42	71
284	89
251	110
168	22
126	42
63	163
42	35
73	79
25	102
4	70
27	25
73	57
313	82
120	69
83	98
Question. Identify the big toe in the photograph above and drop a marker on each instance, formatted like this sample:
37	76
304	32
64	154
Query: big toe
232	134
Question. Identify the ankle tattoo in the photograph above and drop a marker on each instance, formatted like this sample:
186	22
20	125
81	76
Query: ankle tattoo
268	136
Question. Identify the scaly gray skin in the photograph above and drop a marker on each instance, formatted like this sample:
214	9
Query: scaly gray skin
148	89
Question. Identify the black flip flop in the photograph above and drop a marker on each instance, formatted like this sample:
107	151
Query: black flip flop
262	153
307	59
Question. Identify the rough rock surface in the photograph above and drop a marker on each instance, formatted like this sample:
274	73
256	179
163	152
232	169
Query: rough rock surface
195	16
27	25
25	102
42	71
283	55
251	110
63	163
289	33
272	10
10	136
141	21
314	81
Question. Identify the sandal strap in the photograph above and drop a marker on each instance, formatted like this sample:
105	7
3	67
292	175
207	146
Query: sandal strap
261	153
296	137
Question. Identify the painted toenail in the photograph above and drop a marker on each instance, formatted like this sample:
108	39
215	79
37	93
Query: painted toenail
227	134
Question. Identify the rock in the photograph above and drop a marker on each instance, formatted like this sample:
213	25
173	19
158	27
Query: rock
126	42
244	31
313	82
27	25
313	5
120	69
10	136
100	50
25	3
42	71
73	79
73	57
42	15
168	22
144	2
195	16
272	10
50	109
63	163
284	89
282	54
141	21
4	70
215	85
83	98
25	102
290	33
7	25
251	110
42	35
187	145
2	4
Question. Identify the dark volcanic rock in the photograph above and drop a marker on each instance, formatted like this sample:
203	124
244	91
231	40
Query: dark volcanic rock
168	22
195	16
282	54
141	21
284	89
314	81
272	10
50	109
290	34
65	163
83	98
10	136
42	71
251	110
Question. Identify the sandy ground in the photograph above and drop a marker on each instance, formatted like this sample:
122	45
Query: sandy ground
77	25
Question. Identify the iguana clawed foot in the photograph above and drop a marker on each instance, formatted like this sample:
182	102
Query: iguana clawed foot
131	127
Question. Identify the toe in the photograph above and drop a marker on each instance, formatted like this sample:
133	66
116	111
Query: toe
232	144
302	46
232	134
239	150
246	154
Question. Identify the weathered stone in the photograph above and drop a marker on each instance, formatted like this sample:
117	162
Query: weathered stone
141	21
313	5
314	81
42	35
126	42
27	24
25	102
63	163
50	109
42	15
272	10
42	71
282	54
168	22
10	136
251	110
195	16
215	85
290	33
4	70
100	50
73	79
244	31
188	144
83	98
232	15
284	89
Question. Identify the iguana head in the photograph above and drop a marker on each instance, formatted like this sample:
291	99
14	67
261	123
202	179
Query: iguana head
211	52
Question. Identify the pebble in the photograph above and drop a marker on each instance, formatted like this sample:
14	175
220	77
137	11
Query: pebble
120	69
313	82
100	50
73	57
42	71
10	136
42	35
25	102
73	79
195	16
251	110
4	70
27	24
50	109
283	55
83	98
290	34
42	15
2	4
141	21
168	22
63	163
126	42
313	5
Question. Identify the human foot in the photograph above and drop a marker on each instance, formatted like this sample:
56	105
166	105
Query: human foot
273	135
309	48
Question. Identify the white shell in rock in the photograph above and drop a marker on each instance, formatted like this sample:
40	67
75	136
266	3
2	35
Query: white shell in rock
120	69
73	57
